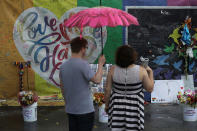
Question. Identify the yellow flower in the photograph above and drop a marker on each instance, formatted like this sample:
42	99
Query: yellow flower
189	99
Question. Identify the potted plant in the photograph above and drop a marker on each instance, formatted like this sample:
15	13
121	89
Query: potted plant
27	98
28	101
99	100
189	101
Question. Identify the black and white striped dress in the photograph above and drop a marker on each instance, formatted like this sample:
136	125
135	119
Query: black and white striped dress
126	106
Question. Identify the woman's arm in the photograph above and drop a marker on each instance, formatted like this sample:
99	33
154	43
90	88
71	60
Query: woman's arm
147	79
108	87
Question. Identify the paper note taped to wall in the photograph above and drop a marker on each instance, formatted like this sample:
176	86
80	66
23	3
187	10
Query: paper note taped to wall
165	91
188	82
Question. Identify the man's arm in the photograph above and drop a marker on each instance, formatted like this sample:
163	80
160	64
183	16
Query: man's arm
98	76
61	85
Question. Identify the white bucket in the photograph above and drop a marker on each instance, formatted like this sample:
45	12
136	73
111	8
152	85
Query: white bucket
30	113
189	113
103	117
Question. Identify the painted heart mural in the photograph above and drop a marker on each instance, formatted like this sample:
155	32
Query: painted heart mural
42	39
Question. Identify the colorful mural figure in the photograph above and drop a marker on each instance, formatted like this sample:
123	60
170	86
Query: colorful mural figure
183	62
42	39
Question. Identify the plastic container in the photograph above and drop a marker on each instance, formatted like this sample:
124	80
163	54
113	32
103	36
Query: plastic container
30	113
189	113
103	117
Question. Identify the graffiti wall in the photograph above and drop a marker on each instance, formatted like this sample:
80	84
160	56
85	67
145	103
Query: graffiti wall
158	36
32	30
36	33
42	39
9	79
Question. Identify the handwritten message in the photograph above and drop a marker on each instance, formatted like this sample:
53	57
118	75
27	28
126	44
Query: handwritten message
43	39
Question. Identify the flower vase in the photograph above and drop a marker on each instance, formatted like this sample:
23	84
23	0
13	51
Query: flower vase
189	113
103	117
30	112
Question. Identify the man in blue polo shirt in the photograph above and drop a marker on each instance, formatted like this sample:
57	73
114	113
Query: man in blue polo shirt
75	75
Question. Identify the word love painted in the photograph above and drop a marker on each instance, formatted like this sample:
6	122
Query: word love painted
41	38
52	38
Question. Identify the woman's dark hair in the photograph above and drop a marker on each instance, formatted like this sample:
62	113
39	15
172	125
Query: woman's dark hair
125	56
77	44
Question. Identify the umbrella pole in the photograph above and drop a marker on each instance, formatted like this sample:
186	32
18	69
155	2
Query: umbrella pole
102	39
101	33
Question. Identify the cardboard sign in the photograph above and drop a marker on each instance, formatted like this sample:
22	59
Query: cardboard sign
165	91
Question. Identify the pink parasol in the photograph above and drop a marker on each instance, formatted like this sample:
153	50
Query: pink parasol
99	17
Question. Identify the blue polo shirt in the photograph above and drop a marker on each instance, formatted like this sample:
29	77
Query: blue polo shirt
76	74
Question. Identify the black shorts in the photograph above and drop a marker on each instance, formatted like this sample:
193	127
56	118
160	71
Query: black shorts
81	122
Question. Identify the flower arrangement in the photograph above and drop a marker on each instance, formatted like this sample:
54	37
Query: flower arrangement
98	98
27	98
189	97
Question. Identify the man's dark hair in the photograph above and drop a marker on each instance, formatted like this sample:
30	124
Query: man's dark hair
77	44
125	56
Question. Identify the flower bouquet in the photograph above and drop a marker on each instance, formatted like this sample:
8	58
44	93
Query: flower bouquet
189	98
98	98
27	98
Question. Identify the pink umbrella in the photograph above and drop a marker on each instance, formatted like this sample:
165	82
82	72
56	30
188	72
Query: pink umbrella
99	17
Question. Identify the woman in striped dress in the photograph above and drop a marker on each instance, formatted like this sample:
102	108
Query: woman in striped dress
124	96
